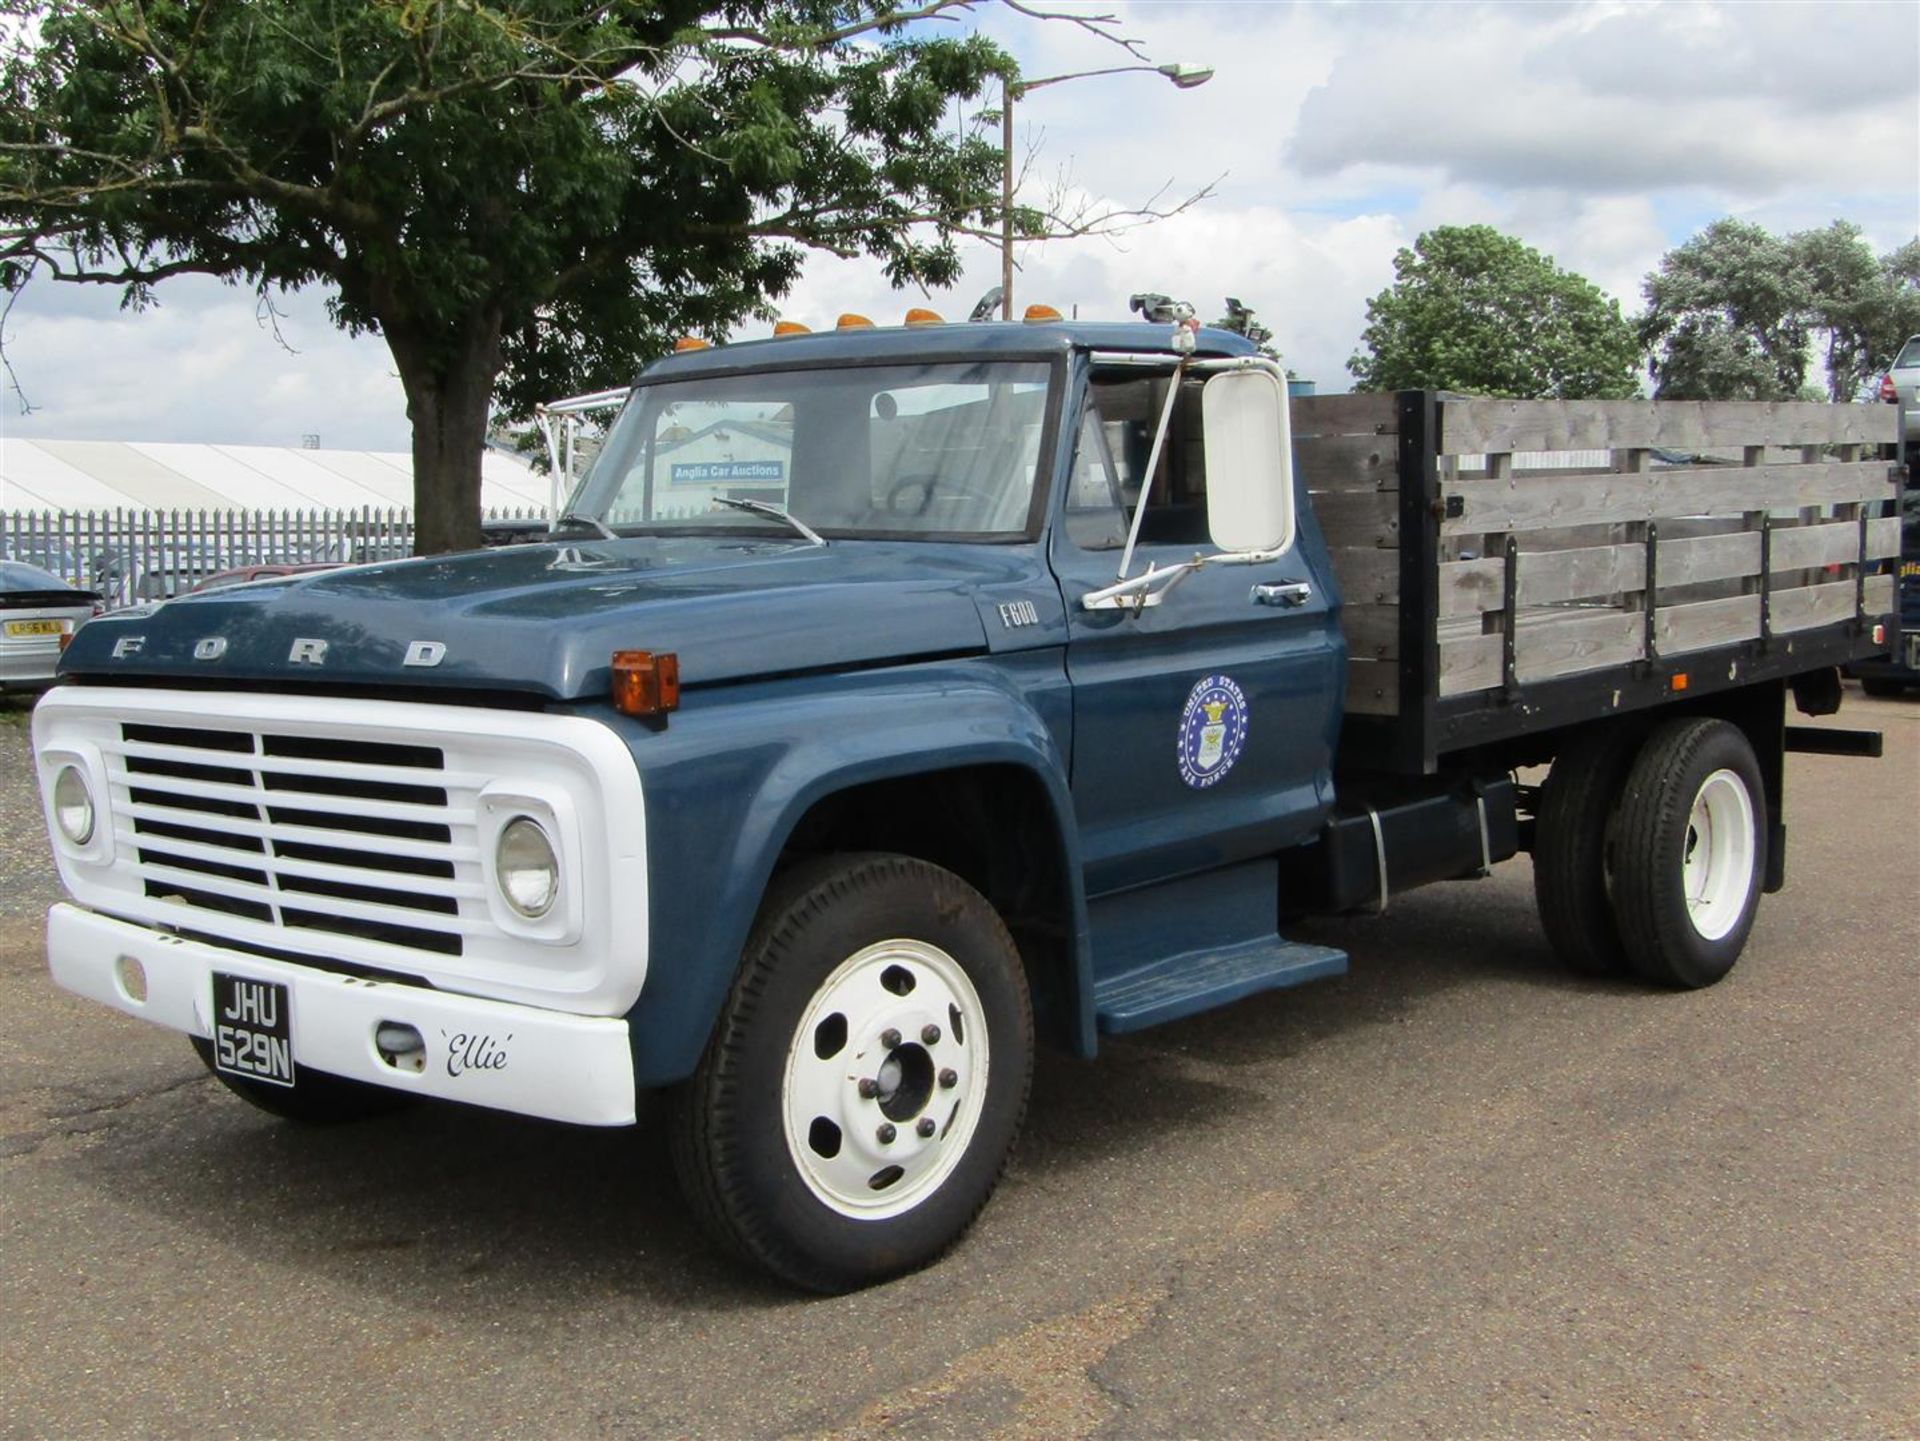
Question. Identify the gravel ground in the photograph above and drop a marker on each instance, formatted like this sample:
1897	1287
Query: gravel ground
1457	1193
28	881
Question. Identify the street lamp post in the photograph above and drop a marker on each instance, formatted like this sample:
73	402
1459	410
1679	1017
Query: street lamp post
1184	76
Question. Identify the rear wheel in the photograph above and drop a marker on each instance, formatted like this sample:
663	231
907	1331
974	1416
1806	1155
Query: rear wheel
867	1076
1569	851
315	1098
1687	852
1881	687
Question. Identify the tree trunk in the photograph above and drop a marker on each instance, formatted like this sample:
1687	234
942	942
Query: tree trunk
449	387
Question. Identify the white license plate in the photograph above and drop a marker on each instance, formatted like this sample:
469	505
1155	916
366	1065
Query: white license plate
1913	650
36	627
253	1029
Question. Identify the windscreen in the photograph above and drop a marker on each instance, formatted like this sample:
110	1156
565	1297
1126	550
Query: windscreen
899	451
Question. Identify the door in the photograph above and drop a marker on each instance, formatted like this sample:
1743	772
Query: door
1204	725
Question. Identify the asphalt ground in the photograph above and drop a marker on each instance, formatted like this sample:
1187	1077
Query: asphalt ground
1456	1194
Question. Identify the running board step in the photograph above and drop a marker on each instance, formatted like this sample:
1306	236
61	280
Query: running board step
1196	981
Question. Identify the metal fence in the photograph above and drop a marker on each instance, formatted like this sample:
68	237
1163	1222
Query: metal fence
129	556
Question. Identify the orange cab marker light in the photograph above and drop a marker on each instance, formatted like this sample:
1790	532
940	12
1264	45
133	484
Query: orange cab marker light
645	683
920	315
790	327
850	321
690	342
1679	681
1041	315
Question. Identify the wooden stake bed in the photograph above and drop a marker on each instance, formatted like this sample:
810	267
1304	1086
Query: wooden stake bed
1514	566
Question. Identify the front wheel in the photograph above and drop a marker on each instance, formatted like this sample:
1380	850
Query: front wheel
867	1076
1687	852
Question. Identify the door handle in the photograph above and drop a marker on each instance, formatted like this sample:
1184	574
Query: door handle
1287	593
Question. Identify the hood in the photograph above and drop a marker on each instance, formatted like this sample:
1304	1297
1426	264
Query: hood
547	618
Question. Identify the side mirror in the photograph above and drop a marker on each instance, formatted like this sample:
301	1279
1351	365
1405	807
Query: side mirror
1249	442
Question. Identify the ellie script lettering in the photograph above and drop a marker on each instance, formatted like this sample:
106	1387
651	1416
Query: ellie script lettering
470	1052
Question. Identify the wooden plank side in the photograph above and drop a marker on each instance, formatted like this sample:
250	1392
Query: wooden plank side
1578	643
1802	607
1472	425
1368	414
1678	629
1367	575
1699	559
1468	587
1469	663
1547	577
1372	631
1492	506
1359	518
1348	462
1373	687
1804	546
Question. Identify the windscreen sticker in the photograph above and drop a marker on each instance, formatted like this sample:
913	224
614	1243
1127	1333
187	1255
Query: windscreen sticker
1213	728
729	472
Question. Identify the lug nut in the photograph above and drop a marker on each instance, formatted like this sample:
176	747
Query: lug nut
949	1078
925	1126
930	1034
869	1088
886	1133
890	1039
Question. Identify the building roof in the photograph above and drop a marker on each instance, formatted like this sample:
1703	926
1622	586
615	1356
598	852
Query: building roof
138	475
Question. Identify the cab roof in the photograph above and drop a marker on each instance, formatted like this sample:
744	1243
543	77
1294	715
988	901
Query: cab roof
982	341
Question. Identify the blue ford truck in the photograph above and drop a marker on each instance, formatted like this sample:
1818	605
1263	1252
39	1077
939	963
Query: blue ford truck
890	701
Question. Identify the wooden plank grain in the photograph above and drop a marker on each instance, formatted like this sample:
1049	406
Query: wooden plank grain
1678	629
1471	425
1373	687
1357	414
1795	547
1804	607
1372	631
1348	462
1359	518
1470	663
1367	575
1578	643
1493	506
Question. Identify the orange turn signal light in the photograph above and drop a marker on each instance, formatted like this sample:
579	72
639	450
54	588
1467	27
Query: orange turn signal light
690	342
920	315
1679	681
645	682
1041	315
850	321
789	327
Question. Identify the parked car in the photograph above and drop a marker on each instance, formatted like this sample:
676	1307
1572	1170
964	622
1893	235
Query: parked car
1901	386
244	574
38	612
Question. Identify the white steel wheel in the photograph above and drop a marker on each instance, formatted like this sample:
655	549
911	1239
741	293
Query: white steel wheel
1687	851
885	1076
1719	858
866	1076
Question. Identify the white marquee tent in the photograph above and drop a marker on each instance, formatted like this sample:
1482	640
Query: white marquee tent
105	475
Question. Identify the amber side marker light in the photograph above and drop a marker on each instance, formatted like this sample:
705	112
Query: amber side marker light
919	315
690	342
790	327
1041	315
1679	681
645	683
850	321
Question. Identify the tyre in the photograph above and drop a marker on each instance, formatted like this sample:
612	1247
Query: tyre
1882	687
1687	852
866	1078
1570	851
314	1099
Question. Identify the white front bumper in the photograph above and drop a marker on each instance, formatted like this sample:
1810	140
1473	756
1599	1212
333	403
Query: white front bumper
548	1063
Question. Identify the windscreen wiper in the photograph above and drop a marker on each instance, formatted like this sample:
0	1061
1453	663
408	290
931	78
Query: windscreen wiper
607	532
761	507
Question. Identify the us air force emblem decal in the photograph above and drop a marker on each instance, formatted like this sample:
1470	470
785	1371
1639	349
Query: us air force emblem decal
1213	728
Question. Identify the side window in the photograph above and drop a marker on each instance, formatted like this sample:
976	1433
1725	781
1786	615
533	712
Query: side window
1125	412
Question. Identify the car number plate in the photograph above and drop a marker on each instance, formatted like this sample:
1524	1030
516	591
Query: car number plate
1913	650
35	627
253	1029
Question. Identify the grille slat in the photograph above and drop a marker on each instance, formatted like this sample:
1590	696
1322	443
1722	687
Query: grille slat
322	834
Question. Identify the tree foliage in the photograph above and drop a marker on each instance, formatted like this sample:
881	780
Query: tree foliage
1738	313
1471	309
527	197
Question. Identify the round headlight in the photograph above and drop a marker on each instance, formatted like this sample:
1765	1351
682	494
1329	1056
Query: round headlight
73	805
526	867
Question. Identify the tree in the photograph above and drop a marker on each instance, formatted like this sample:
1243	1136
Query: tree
1473	310
521	197
1727	317
1865	306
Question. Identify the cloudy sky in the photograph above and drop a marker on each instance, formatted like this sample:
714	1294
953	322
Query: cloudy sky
1601	134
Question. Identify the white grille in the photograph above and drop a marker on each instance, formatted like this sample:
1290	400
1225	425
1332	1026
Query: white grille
310	833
